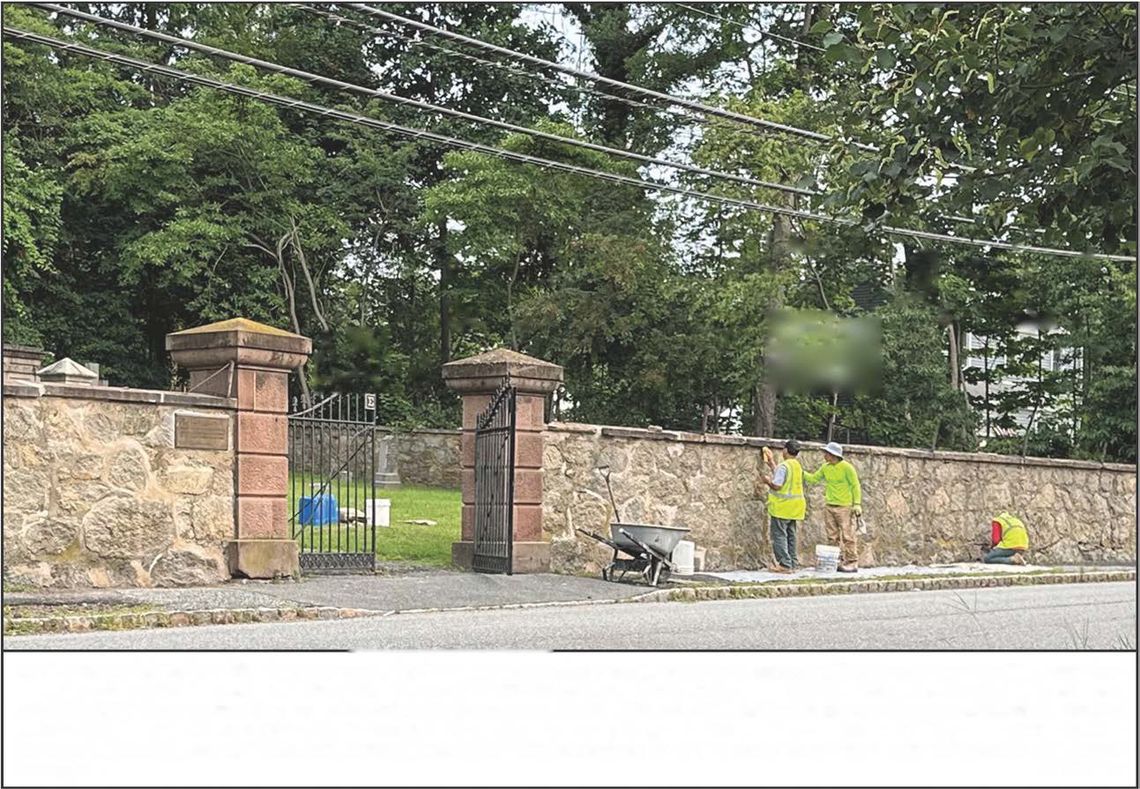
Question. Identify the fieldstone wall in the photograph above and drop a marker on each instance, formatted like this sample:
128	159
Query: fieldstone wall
919	507
428	457
420	457
96	494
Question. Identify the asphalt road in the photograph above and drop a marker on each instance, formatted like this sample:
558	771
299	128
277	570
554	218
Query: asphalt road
1077	616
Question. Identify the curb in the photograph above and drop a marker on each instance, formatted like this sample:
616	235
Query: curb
163	619
229	616
739	592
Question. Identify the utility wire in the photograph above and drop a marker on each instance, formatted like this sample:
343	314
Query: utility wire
407	131
499	65
763	33
455	142
423	105
694	106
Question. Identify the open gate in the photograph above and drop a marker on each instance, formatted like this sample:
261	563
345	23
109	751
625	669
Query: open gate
495	483
333	507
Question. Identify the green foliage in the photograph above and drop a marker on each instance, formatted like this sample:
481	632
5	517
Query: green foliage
135	205
915	405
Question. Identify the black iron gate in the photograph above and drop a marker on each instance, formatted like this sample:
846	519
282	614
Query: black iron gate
495	483
333	507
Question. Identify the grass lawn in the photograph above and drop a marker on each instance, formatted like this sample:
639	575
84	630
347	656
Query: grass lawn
404	542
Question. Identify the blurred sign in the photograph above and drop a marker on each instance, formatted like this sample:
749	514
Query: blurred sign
810	350
369	402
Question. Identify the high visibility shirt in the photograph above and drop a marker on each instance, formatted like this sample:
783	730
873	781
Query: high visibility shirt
1014	535
842	483
788	502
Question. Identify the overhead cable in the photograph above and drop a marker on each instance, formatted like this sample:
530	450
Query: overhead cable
518	72
423	105
694	106
763	33
462	144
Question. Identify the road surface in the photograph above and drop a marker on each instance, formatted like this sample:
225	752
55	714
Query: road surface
1076	616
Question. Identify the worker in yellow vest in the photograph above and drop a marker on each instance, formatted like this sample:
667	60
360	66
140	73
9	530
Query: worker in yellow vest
1010	540
786	506
844	498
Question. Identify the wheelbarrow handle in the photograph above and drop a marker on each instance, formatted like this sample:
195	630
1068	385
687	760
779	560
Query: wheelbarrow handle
599	538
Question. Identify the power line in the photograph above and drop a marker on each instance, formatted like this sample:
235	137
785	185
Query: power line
456	142
407	131
491	63
715	123
764	33
423	105
695	106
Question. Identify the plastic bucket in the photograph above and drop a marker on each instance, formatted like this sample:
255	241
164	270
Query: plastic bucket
377	512
318	510
683	558
826	558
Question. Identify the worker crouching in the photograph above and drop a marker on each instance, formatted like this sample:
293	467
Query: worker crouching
1010	541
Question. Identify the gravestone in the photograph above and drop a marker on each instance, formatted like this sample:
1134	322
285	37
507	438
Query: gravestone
387	471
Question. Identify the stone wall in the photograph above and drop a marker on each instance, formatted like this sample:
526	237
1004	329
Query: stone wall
920	507
428	457
420	457
96	494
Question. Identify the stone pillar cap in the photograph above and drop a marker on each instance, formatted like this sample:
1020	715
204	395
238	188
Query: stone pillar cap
31	350
485	372
67	371
238	340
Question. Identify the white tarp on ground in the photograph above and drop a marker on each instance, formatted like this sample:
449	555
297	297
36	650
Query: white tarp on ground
754	576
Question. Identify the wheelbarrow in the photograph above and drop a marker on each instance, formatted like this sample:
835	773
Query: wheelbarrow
648	549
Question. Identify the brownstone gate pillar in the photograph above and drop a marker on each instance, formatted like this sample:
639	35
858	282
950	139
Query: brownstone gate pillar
476	379
251	362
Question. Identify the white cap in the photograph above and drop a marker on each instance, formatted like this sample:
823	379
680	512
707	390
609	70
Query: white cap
833	448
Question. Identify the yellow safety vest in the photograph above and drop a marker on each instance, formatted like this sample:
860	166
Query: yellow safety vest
1013	533
788	502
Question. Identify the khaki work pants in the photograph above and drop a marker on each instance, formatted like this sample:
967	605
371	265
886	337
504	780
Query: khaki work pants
840	526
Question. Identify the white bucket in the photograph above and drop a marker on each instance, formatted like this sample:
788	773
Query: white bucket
378	512
683	558
826	558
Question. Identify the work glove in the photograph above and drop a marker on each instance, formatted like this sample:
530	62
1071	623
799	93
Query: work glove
858	510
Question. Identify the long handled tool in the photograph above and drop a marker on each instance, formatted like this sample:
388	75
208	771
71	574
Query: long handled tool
605	471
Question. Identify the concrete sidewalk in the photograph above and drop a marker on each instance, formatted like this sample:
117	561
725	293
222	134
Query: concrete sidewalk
908	570
417	591
344	596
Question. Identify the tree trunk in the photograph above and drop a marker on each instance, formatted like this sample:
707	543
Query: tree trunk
766	391
295	241
1033	413
444	264
955	367
986	379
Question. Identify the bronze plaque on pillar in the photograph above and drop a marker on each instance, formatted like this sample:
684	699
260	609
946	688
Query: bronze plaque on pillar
201	431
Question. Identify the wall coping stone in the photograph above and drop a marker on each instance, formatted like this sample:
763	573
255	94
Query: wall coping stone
853	449
29	351
116	394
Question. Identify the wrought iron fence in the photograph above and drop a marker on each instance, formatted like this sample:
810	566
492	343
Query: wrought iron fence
495	483
333	507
